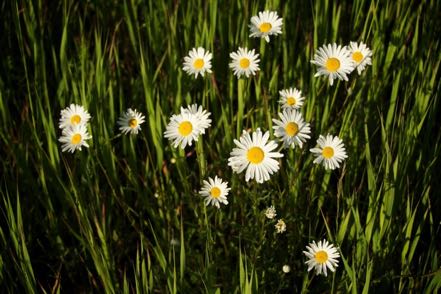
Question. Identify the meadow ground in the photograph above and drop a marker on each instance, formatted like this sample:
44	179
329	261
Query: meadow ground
125	214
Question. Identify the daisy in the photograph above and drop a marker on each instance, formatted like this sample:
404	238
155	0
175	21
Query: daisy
201	115
270	212
215	192
280	226
130	121
73	138
321	257
361	55
73	115
333	61
198	62
255	155
331	151
183	129
266	24
291	129
244	62
291	98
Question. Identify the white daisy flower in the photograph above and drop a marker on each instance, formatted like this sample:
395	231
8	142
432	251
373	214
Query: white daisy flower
333	61
73	138
331	151
73	115
130	121
291	129
244	62
266	24
286	268
215	191
280	226
255	155
291	98
321	257
197	62
201	115
270	212
183	129
361	55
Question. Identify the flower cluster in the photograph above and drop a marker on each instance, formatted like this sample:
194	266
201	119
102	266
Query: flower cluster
337	62
73	123
185	127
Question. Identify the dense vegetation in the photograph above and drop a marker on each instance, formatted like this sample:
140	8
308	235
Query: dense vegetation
124	215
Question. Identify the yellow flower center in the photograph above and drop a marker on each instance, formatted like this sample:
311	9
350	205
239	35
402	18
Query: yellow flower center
198	63
328	152
215	192
76	139
357	56
265	27
291	101
321	256
292	129
133	123
185	128
255	155
75	119
332	64
244	63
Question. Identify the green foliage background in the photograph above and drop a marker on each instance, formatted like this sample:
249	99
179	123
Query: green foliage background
124	214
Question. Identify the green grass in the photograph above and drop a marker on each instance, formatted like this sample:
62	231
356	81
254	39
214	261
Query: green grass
124	214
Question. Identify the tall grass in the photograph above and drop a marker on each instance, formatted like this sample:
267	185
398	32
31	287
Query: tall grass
124	214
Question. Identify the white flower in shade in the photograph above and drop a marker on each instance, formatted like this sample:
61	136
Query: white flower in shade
73	138
361	55
244	62
333	61
130	121
266	24
280	226
331	151
255	155
215	192
291	98
73	115
291	129
201	115
321	257
198	62
286	268
270	212
183	129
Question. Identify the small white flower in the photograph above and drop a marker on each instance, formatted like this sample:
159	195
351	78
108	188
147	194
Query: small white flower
361	55
255	155
215	192
321	257
280	226
331	151
130	122
201	115
73	138
73	115
244	62
291	98
198	62
183	129
286	268
291	129
266	24
270	212
333	61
